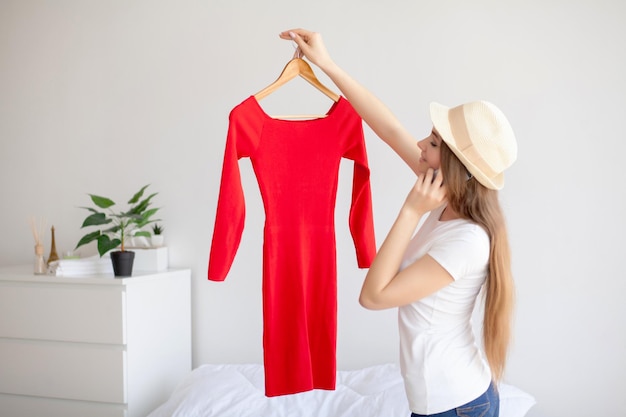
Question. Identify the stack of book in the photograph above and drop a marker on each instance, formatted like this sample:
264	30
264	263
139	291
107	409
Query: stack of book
94	265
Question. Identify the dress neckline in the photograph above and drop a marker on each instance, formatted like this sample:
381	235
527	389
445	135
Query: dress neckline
328	113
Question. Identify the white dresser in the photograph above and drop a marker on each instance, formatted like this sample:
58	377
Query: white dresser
93	346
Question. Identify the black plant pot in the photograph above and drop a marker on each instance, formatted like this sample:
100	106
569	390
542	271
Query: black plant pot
122	263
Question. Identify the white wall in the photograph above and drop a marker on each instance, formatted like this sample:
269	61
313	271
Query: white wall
103	97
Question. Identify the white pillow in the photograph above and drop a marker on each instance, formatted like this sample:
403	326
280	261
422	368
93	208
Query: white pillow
514	402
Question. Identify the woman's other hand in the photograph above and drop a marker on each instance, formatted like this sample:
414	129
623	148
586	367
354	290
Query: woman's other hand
387	286
427	194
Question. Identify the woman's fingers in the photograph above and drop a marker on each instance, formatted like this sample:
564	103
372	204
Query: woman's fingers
310	45
428	192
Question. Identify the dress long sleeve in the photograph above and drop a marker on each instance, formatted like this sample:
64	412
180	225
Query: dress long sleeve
361	212
242	139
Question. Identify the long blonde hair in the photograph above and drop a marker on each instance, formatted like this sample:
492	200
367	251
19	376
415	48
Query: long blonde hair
475	202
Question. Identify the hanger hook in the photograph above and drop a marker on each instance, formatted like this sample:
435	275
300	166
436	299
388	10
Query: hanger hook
298	52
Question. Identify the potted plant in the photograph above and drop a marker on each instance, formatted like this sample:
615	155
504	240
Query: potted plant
117	226
157	238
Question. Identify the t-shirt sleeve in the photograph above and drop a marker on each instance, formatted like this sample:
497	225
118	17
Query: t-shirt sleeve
462	252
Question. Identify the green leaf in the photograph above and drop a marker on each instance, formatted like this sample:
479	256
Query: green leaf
101	202
143	233
142	206
137	195
96	219
105	244
125	216
112	230
144	219
91	209
150	213
88	238
146	222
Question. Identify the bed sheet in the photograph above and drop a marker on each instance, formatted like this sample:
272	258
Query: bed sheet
237	390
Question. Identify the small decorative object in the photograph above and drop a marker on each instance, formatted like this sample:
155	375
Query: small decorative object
157	238
118	226
53	249
40	265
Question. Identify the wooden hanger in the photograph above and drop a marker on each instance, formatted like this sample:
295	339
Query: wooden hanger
295	67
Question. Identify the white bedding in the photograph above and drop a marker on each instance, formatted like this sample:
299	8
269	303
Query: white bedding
238	391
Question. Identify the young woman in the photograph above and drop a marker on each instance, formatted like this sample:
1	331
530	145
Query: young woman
434	275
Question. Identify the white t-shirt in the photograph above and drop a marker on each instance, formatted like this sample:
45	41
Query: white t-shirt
441	363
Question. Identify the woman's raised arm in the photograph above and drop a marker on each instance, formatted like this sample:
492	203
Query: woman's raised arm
373	111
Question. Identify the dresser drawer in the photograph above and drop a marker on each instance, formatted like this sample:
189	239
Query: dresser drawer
63	370
75	313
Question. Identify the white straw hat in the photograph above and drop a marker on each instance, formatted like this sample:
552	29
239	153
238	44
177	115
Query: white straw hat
480	136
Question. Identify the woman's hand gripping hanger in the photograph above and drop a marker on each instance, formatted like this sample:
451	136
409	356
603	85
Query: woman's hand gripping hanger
297	67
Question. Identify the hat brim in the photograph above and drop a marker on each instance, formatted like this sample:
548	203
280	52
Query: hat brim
441	122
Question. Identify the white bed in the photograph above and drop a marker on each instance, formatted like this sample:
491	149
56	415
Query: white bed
238	391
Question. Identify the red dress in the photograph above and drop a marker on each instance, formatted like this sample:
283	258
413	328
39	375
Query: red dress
296	163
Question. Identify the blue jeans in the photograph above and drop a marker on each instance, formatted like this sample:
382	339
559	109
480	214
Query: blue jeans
487	405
